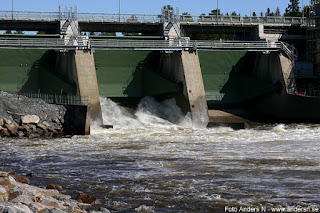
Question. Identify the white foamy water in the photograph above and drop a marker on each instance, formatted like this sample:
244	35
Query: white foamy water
149	112
153	162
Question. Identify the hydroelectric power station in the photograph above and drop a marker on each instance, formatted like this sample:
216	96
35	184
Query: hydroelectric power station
257	75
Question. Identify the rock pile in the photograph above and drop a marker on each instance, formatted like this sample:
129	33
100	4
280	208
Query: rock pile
27	117
17	197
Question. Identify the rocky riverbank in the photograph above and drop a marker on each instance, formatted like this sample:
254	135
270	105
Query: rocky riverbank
17	196
27	117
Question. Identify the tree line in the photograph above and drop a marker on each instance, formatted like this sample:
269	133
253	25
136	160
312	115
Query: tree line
293	10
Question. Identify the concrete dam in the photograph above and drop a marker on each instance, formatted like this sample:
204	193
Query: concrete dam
200	75
197	79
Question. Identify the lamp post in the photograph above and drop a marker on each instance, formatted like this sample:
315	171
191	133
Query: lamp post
302	12
119	11
12	9
217	11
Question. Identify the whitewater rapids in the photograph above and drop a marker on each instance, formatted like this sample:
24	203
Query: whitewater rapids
154	160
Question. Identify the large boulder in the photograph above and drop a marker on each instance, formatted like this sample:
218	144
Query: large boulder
3	194
8	183
13	128
20	178
7	121
30	119
14	208
84	198
4	132
54	186
14	193
16	197
4	174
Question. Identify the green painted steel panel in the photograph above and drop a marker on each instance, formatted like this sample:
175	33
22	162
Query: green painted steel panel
50	83
154	84
227	77
20	57
16	67
118	72
119	58
27	71
128	73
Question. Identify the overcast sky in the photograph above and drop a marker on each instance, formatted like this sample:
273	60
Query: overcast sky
194	7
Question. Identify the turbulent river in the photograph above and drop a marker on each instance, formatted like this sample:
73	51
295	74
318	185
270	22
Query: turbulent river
154	160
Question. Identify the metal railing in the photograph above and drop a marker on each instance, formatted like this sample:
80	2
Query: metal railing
254	45
112	17
29	15
283	20
85	43
140	44
156	18
44	43
289	50
59	99
182	44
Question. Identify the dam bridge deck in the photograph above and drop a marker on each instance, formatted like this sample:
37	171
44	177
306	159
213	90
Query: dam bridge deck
108	44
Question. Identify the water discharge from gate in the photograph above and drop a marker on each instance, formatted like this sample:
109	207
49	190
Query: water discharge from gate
148	112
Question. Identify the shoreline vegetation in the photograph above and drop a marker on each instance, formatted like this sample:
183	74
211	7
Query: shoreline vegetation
16	195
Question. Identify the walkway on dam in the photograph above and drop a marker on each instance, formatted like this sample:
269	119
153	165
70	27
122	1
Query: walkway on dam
84	43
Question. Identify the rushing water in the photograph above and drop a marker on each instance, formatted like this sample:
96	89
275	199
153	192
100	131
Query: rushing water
148	164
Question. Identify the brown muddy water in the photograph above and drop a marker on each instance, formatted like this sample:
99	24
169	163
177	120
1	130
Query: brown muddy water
148	164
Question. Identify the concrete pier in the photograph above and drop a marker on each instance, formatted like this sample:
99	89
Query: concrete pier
195	88
87	82
79	68
183	67
288	75
273	68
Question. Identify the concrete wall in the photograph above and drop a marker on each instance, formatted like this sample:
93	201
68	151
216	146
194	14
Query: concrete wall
77	120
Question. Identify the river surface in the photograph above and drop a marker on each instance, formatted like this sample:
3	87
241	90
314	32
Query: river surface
148	164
